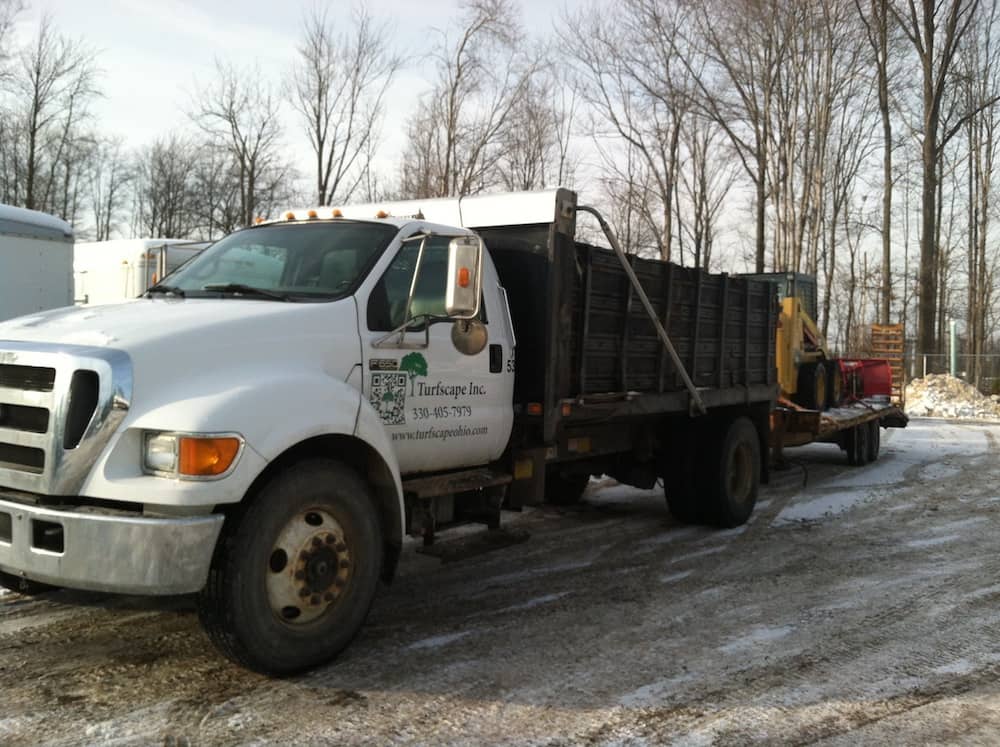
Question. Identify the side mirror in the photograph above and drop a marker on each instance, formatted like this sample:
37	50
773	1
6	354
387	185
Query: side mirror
465	277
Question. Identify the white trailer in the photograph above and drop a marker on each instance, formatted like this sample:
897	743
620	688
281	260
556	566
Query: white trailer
118	270
36	262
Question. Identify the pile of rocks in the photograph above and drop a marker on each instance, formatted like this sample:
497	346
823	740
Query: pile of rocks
944	396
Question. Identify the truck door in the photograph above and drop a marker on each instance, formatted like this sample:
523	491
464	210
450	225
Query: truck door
442	408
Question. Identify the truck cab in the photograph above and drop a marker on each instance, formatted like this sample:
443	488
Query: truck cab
127	430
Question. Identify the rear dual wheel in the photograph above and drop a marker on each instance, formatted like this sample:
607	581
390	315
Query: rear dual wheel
721	489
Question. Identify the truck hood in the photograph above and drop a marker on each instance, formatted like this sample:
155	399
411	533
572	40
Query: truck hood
181	334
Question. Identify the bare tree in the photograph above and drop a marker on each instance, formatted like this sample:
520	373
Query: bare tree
536	141
9	10
877	20
630	79
935	29
705	182
456	136
54	82
737	76
627	186
240	113
339	84
979	64
164	200
109	181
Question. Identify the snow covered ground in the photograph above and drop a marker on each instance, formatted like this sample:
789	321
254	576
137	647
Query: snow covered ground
859	605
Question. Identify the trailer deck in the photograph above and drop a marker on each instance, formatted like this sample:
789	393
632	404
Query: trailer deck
792	425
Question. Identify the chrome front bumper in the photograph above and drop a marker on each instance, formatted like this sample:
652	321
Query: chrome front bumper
105	550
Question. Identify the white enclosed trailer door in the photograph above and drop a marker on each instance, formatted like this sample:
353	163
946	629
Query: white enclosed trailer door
36	262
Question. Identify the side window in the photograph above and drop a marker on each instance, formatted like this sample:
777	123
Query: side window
387	304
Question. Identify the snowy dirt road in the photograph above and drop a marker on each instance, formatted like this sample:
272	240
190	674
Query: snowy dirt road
862	608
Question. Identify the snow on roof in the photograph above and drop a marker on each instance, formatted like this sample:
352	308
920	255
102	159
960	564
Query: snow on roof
33	224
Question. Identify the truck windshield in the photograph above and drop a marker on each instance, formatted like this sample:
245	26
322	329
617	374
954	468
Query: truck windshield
293	262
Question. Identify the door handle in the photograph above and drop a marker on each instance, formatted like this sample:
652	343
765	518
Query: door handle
496	358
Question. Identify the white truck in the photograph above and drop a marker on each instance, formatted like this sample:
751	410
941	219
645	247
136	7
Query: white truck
36	262
266	427
122	269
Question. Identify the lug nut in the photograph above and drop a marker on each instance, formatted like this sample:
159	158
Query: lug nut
339	582
330	539
328	597
315	599
340	547
345	563
305	592
317	542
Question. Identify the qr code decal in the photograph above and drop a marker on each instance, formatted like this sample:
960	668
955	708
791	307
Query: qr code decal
388	397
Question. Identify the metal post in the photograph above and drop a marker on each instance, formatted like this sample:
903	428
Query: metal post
925	365
954	347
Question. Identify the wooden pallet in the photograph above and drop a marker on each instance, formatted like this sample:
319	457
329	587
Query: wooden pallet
887	343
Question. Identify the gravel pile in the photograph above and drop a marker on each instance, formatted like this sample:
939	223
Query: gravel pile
944	396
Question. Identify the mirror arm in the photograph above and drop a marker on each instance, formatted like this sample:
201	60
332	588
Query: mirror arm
405	327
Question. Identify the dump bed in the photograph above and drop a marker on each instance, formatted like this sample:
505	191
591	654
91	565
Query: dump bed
583	336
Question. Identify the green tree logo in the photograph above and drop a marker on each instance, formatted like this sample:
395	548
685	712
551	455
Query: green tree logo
414	364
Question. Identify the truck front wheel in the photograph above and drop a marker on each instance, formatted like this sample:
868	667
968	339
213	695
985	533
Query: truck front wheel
293	578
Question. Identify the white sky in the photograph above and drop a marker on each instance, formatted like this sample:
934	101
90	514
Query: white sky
154	53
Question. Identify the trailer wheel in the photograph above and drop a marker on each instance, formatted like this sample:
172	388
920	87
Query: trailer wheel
562	489
24	586
857	445
812	392
732	482
874	439
293	578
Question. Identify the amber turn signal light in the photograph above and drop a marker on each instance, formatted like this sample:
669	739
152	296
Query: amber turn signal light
207	457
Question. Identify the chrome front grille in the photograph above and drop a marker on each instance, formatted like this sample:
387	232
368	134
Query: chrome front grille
59	406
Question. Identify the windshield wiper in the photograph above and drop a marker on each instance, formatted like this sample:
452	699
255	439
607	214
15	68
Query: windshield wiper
168	290
246	290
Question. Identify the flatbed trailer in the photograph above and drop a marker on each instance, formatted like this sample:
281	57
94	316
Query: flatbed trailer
855	427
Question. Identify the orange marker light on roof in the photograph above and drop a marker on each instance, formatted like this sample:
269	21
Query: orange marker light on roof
463	277
337	214
259	219
289	215
311	213
381	214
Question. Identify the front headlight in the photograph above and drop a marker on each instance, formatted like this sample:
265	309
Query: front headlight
190	455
